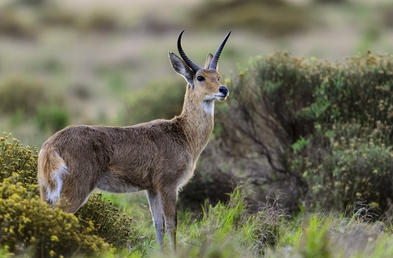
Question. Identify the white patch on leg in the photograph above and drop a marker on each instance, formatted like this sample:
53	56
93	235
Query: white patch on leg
53	195
208	106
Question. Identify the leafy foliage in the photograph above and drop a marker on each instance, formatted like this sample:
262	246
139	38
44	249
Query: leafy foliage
318	128
354	171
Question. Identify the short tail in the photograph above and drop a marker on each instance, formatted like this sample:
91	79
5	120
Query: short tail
50	170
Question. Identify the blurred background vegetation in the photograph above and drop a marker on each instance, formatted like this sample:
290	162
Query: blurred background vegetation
91	62
303	142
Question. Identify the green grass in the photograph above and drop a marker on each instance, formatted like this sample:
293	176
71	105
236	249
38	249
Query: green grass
226	230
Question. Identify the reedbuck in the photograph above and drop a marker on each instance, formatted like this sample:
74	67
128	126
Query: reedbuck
157	156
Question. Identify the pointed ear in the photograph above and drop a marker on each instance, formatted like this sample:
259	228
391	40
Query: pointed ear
181	68
208	60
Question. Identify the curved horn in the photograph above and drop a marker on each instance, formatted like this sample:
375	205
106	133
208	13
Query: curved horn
193	66
213	64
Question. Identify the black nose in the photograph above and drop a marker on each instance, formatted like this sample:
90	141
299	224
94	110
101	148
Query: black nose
223	90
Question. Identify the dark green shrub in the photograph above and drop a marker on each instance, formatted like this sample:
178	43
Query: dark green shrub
22	94
52	118
163	99
357	92
22	98
355	170
285	113
261	122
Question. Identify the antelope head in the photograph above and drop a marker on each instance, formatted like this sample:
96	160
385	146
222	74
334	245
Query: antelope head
203	83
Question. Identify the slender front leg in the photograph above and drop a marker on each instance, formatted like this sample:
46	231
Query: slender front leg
156	209
169	198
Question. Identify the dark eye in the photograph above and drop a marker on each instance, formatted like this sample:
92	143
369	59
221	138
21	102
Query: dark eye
200	78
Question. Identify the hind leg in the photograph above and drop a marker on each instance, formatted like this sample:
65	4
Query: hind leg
67	189
75	194
43	195
67	186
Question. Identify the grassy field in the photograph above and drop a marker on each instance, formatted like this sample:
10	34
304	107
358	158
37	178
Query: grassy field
300	163
229	231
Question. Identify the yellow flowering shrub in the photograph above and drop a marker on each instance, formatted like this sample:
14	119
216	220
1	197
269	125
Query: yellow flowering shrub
17	158
25	222
109	222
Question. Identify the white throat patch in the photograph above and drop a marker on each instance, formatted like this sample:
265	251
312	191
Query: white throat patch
208	106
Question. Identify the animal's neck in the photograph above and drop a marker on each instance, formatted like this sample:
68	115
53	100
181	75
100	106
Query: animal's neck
197	121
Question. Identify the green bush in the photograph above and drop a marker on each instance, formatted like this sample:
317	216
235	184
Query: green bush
260	122
24	98
356	92
285	114
162	99
24	94
354	170
52	118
